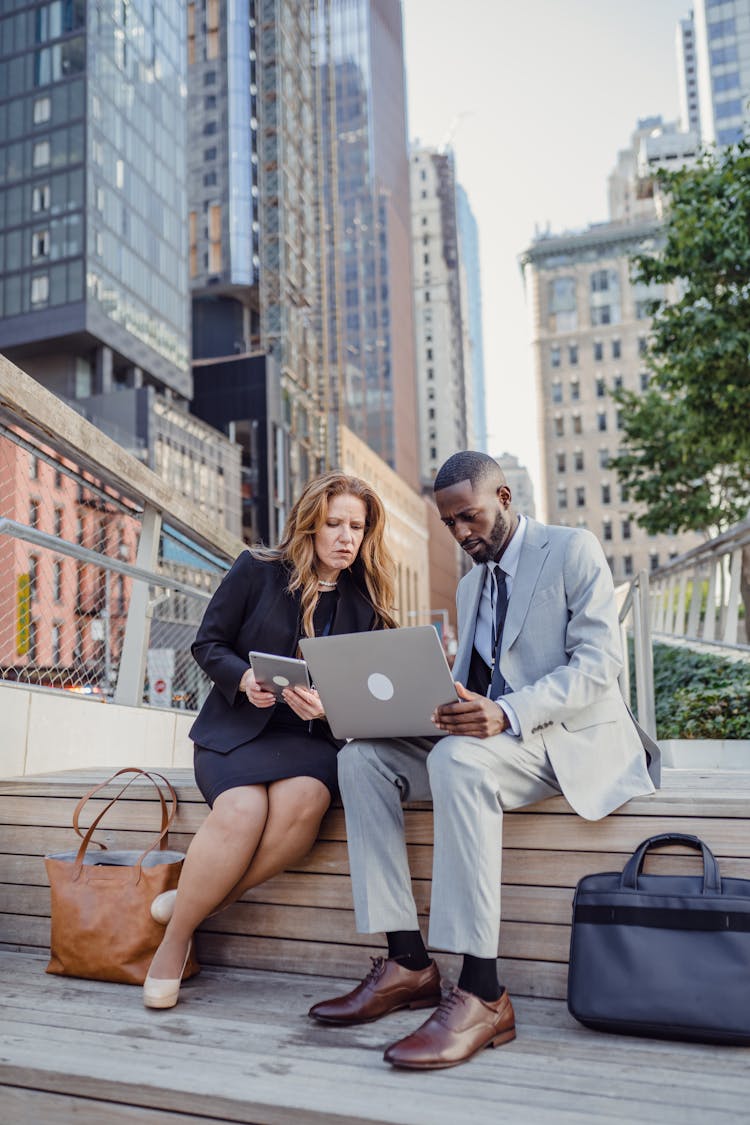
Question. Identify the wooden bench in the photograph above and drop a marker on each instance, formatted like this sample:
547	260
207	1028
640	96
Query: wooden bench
302	921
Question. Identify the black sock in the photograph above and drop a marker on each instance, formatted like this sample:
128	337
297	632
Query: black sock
479	976
407	947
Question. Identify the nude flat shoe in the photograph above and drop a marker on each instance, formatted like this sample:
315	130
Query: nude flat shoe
162	908
164	993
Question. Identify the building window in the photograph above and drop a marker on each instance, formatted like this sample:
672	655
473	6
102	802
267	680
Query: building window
601	280
642	345
40	198
560	458
616	349
627	563
57	580
33	467
722	29
603	458
555	357
32	650
653	560
55	643
645	379
209	78
575	391
578	460
619	419
617	383
598	351
58	522
606	494
41	154
601	420
210	179
580	497
40	289
577	424
42	110
607	531
562	497
58	478
563	314
33	576
557	391
209	153
33	513
626	528
209	128
40	244
573	354
426	295
601	314
559	425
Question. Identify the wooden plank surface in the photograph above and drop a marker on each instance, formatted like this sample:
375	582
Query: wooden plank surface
303	921
240	1048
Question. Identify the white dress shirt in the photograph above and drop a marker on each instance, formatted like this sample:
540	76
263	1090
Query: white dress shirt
483	630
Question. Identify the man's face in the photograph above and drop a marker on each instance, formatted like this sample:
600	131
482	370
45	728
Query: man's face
480	520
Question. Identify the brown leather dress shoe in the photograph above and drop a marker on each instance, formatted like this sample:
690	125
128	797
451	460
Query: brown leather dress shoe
388	987
461	1026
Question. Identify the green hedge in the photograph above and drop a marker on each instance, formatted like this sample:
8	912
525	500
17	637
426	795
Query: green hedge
699	696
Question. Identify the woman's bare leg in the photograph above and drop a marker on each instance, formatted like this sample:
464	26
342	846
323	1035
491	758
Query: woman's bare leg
296	806
219	854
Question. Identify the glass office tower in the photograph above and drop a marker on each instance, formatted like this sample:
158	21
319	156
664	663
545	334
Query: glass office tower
368	335
93	268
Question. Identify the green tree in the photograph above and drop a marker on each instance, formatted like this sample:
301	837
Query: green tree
685	456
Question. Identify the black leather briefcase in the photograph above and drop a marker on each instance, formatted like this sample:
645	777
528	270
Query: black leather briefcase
662	955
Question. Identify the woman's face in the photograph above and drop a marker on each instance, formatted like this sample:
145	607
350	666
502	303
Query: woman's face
338	541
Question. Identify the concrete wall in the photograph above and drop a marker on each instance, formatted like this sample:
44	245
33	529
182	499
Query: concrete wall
44	730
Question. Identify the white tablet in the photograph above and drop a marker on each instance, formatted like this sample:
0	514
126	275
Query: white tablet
274	673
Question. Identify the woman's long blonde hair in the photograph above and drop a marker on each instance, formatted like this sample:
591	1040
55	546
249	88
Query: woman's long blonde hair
373	566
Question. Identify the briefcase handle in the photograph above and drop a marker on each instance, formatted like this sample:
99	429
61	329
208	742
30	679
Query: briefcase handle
634	866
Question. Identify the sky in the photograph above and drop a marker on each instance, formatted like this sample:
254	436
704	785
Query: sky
536	98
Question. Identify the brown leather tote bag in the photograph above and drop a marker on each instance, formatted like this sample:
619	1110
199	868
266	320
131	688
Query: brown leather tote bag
102	927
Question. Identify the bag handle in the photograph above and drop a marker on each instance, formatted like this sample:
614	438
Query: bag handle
634	866
103	785
167	816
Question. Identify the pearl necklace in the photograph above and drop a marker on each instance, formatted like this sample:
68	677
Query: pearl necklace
328	585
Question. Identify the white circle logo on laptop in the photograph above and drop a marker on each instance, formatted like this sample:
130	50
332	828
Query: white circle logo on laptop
380	686
282	681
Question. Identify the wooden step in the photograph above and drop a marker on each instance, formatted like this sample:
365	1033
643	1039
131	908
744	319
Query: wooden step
302	921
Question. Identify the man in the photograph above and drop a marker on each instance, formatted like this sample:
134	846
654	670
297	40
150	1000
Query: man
540	713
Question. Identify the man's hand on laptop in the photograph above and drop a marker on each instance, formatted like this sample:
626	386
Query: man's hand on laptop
305	702
474	715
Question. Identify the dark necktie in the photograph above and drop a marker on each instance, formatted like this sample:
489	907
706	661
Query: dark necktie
499	601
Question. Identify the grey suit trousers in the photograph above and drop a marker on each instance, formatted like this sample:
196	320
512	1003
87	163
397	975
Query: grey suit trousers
470	782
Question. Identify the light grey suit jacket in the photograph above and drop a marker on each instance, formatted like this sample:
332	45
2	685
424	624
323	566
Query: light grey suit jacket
560	657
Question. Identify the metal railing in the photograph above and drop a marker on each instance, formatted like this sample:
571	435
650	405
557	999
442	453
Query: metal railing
696	599
698	596
104	571
632	601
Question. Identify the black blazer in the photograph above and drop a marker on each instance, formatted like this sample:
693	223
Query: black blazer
252	611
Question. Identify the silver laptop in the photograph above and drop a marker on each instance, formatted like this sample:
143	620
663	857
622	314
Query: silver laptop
381	684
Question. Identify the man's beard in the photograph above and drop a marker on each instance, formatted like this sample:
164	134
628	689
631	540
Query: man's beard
495	540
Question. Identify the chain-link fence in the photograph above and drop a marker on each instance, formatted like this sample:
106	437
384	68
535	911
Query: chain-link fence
68	545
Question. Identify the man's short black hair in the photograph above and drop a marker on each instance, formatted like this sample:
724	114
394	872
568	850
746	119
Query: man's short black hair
468	465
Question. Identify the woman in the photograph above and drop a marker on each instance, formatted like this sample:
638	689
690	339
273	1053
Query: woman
268	769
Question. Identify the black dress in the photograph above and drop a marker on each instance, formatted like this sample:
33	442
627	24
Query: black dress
286	747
